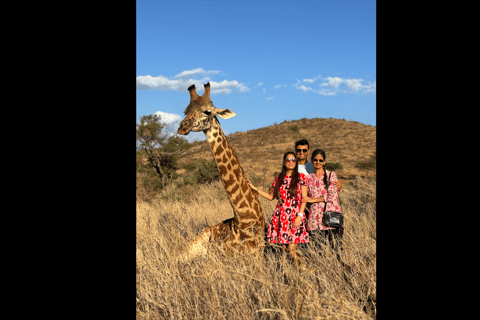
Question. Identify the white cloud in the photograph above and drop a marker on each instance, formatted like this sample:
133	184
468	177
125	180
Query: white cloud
183	80
279	85
259	84
310	80
264	90
334	82
169	118
326	92
354	85
336	85
302	87
371	88
187	74
269	98
227	86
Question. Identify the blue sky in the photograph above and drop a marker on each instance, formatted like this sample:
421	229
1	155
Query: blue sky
267	61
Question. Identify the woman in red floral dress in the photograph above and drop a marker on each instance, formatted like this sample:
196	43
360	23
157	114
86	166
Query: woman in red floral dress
288	221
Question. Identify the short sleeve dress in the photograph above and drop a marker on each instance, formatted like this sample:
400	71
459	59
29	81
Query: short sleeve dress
280	228
316	189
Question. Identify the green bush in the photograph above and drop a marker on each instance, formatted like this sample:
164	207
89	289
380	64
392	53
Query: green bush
333	166
366	165
189	167
294	128
206	171
152	183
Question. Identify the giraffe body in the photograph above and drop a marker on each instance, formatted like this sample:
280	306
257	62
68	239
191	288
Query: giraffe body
245	231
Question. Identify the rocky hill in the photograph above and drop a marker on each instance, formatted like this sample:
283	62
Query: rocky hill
260	151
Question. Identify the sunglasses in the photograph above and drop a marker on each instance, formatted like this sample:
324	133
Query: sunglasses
300	150
318	160
290	160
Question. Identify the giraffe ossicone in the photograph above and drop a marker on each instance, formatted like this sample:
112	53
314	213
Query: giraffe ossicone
245	231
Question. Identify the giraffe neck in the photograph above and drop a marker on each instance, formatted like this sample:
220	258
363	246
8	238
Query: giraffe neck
246	207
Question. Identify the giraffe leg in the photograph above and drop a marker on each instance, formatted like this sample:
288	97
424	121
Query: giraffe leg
198	247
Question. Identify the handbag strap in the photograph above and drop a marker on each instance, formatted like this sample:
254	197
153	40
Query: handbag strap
328	185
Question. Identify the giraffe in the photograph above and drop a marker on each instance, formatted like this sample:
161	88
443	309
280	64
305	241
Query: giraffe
245	231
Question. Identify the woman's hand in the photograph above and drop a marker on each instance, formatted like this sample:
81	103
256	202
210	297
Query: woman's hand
339	185
297	221
251	185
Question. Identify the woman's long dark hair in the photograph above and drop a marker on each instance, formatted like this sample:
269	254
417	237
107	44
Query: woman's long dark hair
281	176
315	153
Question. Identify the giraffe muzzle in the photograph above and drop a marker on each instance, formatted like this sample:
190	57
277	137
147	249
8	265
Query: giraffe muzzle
183	128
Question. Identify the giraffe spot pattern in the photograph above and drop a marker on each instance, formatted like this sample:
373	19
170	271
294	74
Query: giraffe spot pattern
219	151
249	197
236	172
222	169
242	204
230	181
245	188
235	188
237	199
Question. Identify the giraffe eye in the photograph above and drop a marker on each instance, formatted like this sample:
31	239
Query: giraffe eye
208	112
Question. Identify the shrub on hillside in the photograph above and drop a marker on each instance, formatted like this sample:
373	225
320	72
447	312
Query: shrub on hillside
333	166
294	128
148	185
206	171
366	165
189	166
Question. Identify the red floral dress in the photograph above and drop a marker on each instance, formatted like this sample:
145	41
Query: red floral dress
280	228
316	189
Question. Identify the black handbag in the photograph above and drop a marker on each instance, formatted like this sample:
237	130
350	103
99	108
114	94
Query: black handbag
332	219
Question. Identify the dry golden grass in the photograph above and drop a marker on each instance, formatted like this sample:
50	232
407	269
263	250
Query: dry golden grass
245	286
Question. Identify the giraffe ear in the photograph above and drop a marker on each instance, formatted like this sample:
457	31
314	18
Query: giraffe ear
225	113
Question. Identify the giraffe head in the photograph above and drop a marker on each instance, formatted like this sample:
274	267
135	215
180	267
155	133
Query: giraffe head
200	113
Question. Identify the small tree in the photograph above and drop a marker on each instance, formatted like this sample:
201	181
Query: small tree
174	147
161	149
